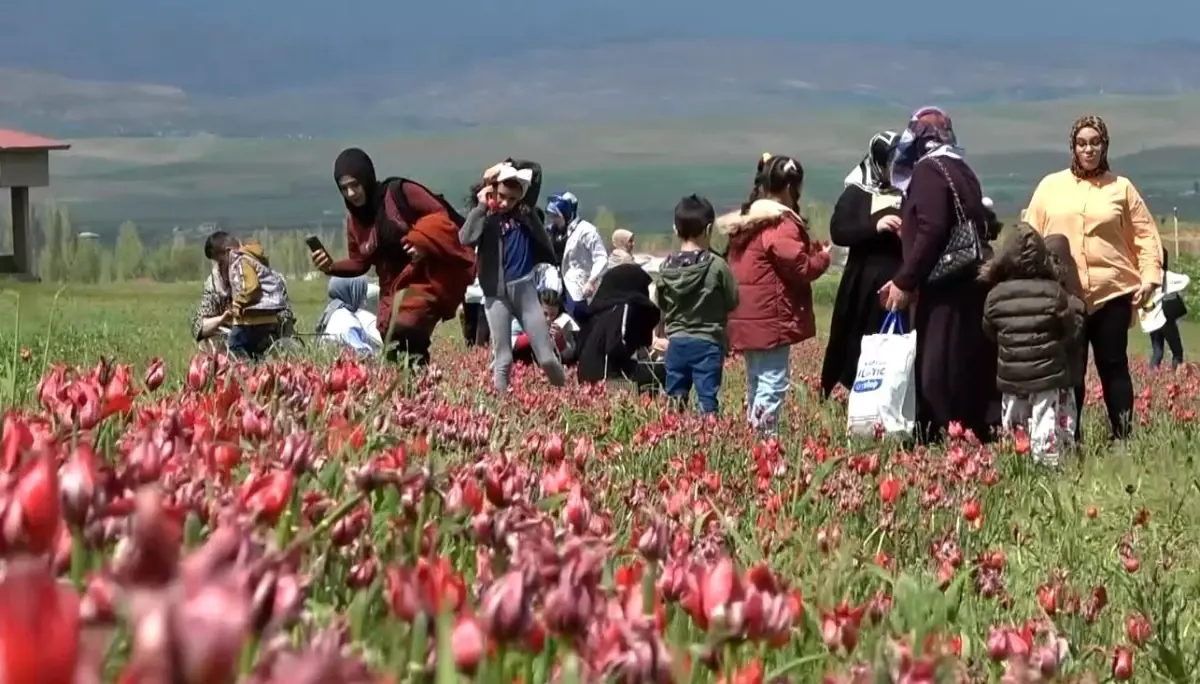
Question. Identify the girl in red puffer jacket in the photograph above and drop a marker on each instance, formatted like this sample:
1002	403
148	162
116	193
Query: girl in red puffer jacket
774	263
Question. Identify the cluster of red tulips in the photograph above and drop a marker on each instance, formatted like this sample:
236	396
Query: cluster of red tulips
292	523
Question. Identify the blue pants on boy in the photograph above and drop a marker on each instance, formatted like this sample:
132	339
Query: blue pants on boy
695	362
251	341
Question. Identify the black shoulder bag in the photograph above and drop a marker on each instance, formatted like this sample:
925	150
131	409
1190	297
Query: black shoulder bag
964	249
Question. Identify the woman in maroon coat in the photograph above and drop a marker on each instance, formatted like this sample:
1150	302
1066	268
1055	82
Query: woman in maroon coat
407	234
774	263
956	363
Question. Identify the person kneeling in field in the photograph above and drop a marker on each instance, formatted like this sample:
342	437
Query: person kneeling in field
697	294
259	297
214	315
346	320
1038	326
562	331
615	340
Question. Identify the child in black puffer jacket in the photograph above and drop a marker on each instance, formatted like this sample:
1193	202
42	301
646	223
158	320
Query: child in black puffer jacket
1037	329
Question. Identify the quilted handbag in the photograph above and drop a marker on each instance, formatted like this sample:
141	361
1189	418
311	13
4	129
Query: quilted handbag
964	250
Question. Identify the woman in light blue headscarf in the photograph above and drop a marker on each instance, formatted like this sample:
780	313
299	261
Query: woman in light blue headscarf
346	319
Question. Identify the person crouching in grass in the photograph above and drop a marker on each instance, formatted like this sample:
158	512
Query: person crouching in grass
259	297
511	241
563	330
697	294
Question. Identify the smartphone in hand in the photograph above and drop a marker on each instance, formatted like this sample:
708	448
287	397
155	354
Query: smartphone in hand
314	243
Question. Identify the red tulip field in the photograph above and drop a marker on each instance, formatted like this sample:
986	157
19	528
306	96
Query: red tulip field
176	518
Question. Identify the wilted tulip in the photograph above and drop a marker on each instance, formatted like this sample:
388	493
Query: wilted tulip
156	373
77	484
504	609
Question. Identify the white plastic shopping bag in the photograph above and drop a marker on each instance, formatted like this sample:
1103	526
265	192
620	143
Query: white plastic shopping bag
884	396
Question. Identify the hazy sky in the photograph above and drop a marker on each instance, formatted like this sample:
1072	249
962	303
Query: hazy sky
251	43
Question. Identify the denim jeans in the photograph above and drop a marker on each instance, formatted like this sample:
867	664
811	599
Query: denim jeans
695	362
251	341
1166	336
767	384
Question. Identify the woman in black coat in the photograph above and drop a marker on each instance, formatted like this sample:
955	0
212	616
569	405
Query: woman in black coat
620	324
866	220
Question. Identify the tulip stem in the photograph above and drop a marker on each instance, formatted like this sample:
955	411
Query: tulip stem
78	557
649	575
326	523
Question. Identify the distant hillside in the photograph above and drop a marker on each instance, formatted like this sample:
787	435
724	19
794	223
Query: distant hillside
639	171
595	82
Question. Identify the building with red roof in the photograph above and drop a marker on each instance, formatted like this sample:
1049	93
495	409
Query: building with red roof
24	164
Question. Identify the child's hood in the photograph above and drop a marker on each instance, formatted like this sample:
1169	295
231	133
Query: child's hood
1023	256
686	277
254	250
763	213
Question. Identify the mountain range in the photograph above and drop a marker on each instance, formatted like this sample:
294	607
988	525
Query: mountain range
628	80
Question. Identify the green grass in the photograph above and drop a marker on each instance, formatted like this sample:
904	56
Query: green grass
708	482
73	323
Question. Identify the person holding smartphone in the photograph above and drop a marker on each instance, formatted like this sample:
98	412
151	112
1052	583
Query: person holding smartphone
409	236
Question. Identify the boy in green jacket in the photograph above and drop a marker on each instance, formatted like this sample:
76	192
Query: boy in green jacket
697	294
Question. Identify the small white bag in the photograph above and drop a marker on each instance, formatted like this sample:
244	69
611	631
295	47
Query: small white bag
884	396
1152	318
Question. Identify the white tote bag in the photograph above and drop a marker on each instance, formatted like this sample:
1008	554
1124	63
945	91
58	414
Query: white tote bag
884	395
1152	317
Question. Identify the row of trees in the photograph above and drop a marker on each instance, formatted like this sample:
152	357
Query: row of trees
63	256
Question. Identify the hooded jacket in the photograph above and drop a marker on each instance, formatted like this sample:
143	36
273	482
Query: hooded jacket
259	292
697	293
774	263
484	232
1030	315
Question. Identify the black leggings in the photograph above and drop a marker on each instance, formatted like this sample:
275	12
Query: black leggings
411	342
1106	330
474	326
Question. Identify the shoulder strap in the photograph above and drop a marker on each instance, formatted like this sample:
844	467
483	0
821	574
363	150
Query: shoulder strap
405	211
958	207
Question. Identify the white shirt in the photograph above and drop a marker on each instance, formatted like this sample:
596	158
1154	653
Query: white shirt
547	277
356	330
585	258
474	293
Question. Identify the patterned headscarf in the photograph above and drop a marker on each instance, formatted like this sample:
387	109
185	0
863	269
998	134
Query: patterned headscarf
1101	168
871	174
929	134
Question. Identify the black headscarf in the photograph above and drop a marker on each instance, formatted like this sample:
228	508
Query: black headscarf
371	216
357	164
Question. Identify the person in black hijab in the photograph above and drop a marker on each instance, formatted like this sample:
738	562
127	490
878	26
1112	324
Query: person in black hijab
410	236
620	326
866	219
